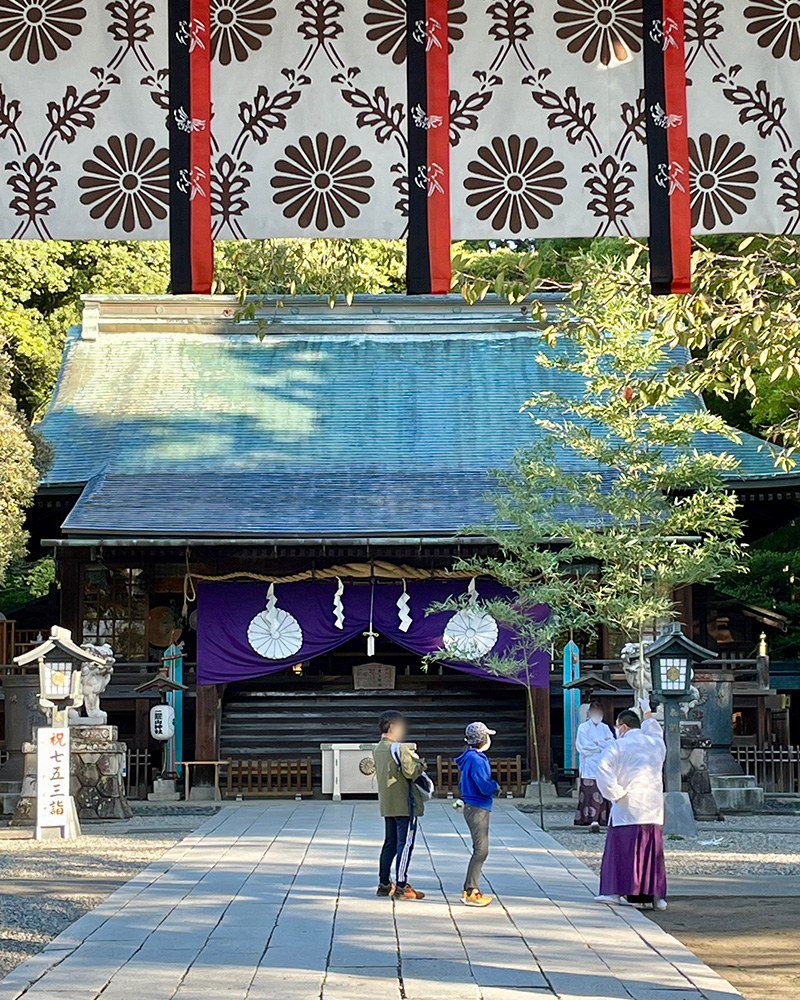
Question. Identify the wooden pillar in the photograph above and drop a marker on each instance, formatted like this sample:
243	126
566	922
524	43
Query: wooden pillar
71	579
541	709
206	741
206	744
142	735
685	608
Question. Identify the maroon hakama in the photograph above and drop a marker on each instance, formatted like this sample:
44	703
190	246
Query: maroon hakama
633	863
592	807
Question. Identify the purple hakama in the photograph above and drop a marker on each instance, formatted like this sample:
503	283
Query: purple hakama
633	863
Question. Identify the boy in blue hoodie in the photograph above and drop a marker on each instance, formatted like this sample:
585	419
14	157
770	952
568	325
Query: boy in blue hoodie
478	788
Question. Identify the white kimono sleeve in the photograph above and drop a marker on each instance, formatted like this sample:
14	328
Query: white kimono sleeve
607	777
653	731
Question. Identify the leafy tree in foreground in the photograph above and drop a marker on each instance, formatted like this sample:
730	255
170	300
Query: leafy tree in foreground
622	499
18	473
741	319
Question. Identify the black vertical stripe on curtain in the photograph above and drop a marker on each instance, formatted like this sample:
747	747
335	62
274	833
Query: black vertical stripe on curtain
180	153
418	262
658	161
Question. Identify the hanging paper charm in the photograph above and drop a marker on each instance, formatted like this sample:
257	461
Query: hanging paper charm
274	633
371	634
402	610
338	605
470	633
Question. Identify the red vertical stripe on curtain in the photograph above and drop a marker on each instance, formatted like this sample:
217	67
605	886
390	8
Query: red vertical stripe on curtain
439	149
678	141
202	245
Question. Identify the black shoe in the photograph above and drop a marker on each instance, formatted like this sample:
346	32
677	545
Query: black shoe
385	890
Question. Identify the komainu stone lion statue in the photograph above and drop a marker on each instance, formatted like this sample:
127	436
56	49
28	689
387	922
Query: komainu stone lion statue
94	679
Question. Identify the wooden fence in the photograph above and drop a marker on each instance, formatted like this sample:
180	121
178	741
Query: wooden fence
137	775
776	769
15	641
506	771
268	777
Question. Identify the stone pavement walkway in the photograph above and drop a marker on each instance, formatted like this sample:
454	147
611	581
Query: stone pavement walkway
277	902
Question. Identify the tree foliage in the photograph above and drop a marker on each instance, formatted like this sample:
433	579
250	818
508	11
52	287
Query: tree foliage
40	288
18	472
773	583
25	581
624	500
741	320
331	268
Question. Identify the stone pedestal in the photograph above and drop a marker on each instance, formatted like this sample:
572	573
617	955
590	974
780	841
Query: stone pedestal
97	767
737	793
695	779
164	790
97	762
23	718
9	796
714	712
678	816
25	810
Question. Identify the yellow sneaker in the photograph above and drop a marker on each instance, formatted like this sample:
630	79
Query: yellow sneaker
475	898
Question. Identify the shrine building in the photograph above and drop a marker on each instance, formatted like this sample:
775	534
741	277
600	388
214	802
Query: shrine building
285	497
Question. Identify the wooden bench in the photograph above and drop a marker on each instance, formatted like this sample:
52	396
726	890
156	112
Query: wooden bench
262	777
506	771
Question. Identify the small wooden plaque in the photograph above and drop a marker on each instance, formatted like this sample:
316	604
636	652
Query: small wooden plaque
374	677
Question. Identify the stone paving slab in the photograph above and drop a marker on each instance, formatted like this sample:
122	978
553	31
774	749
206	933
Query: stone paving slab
267	901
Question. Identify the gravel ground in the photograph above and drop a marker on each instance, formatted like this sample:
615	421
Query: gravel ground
32	915
741	845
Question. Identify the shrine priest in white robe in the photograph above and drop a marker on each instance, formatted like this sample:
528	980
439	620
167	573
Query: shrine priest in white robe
591	739
629	774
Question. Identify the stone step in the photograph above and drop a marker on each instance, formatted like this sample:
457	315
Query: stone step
737	793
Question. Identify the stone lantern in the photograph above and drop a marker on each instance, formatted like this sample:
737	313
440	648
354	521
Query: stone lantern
70	675
673	657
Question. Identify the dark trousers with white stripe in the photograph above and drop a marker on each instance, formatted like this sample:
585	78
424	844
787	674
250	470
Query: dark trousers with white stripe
398	843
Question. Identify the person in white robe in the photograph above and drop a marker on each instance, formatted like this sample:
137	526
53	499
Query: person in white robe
630	775
591	739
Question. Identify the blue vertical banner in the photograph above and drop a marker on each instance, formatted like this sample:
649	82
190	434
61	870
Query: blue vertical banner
173	667
572	701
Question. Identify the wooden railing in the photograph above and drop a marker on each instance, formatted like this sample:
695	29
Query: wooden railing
137	778
15	641
751	671
247	777
506	771
776	769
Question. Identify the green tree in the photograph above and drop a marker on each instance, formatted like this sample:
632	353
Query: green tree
18	472
773	583
741	320
330	268
620	501
25	581
40	288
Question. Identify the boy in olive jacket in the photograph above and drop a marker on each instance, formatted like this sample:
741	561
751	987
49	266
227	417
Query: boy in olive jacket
396	767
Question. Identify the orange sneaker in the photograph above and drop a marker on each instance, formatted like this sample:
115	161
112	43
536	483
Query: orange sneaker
475	898
408	892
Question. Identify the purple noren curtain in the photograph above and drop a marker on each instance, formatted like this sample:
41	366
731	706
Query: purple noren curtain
251	629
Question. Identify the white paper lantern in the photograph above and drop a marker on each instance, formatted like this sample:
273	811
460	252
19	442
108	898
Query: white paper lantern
162	722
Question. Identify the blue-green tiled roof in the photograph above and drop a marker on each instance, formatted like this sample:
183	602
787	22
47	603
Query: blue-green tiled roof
345	421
